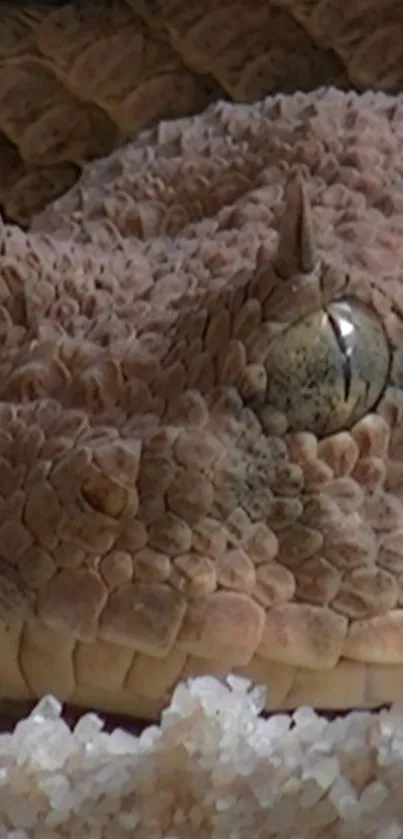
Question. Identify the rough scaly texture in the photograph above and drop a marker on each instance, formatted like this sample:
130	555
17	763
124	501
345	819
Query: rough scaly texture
364	35
77	79
162	514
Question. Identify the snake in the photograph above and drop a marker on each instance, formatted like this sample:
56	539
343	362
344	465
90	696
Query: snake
200	467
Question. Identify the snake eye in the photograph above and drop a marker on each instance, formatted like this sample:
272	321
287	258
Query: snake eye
327	370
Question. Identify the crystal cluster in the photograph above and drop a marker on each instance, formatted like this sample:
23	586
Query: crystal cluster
213	769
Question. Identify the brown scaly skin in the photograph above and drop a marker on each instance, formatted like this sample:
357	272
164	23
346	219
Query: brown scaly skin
200	483
368	50
78	78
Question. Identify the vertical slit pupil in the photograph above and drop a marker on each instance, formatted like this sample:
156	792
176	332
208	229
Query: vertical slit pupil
343	349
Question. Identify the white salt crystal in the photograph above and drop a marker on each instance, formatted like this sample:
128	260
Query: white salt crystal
6	745
373	796
344	798
87	728
264	791
179	817
291	786
53	753
111	778
207	761
386	725
195	816
246	760
311	794
57	817
183	704
324	771
122	743
128	819
320	747
238	684
358	725
223	774
108	805
149	737
284	817
56	787
21	812
396	749
276	726
48	708
4	778
207	687
310	726
304	715
43	742
392	831
257	699
225	803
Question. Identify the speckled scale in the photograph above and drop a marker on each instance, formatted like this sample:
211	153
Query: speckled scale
147	616
153	469
209	537
317	581
109	63
120	458
190	495
231	363
298	544
150	566
372	436
194	574
347	494
246	319
36	567
303	450
201	372
42	514
207	628
116	568
274	584
385	511
391	551
235	571
76	30
79	613
188	410
364	593
340	452
351	543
